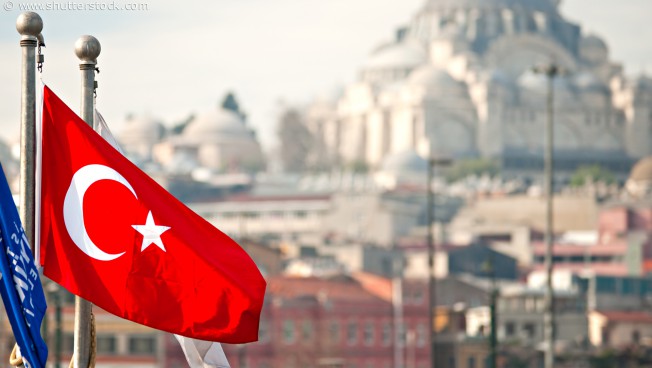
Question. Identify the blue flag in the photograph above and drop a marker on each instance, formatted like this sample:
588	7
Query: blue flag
20	288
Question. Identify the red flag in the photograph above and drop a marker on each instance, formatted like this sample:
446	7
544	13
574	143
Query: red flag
112	235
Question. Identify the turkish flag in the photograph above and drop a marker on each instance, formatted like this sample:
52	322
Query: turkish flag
112	235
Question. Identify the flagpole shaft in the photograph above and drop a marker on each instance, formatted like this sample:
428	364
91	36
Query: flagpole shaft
87	49
29	25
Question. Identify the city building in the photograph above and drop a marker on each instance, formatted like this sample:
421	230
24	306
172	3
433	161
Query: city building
339	321
120	343
476	259
620	328
520	317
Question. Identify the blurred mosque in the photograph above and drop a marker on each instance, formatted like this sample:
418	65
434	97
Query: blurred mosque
458	81
214	142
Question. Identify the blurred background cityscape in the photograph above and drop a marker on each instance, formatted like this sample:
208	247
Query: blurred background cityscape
441	135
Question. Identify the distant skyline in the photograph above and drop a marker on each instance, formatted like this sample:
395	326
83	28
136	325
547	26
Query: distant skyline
175	59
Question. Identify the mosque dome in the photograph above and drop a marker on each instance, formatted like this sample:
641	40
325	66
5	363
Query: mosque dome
403	168
406	161
139	135
593	50
639	183
642	171
436	82
143	128
529	5
218	140
594	42
402	55
643	83
587	81
592	91
535	85
217	126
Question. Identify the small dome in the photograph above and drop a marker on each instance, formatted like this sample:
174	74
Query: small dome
642	171
530	5
219	125
586	81
537	82
139	136
143	127
643	83
431	76
639	184
436	81
594	50
594	42
404	55
405	162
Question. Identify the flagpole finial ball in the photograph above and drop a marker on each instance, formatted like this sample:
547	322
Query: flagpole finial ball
87	49
29	24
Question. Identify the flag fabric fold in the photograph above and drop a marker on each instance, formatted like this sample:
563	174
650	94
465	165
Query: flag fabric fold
21	290
203	354
112	235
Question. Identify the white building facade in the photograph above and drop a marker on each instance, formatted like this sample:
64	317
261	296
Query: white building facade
458	81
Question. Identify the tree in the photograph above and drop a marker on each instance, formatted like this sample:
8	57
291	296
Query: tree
594	173
470	167
230	103
179	127
296	141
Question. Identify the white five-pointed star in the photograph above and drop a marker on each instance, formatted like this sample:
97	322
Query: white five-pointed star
151	232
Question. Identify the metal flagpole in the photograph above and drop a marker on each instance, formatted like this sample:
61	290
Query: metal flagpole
29	25
87	49
550	71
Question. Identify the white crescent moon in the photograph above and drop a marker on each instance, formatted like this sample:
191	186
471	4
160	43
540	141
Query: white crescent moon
73	207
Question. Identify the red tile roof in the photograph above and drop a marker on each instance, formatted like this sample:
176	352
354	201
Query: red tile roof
377	285
337	288
627	316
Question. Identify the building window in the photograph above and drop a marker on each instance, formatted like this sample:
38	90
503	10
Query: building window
402	334
306	330
276	214
288	331
471	362
141	345
369	333
530	330
510	329
422	337
451	362
352	333
68	342
263	331
418	296
106	344
335	332
68	297
387	334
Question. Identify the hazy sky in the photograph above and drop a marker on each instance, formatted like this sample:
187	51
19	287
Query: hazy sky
181	57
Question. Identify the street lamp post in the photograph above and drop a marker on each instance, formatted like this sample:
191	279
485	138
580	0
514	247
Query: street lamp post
550	71
433	162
